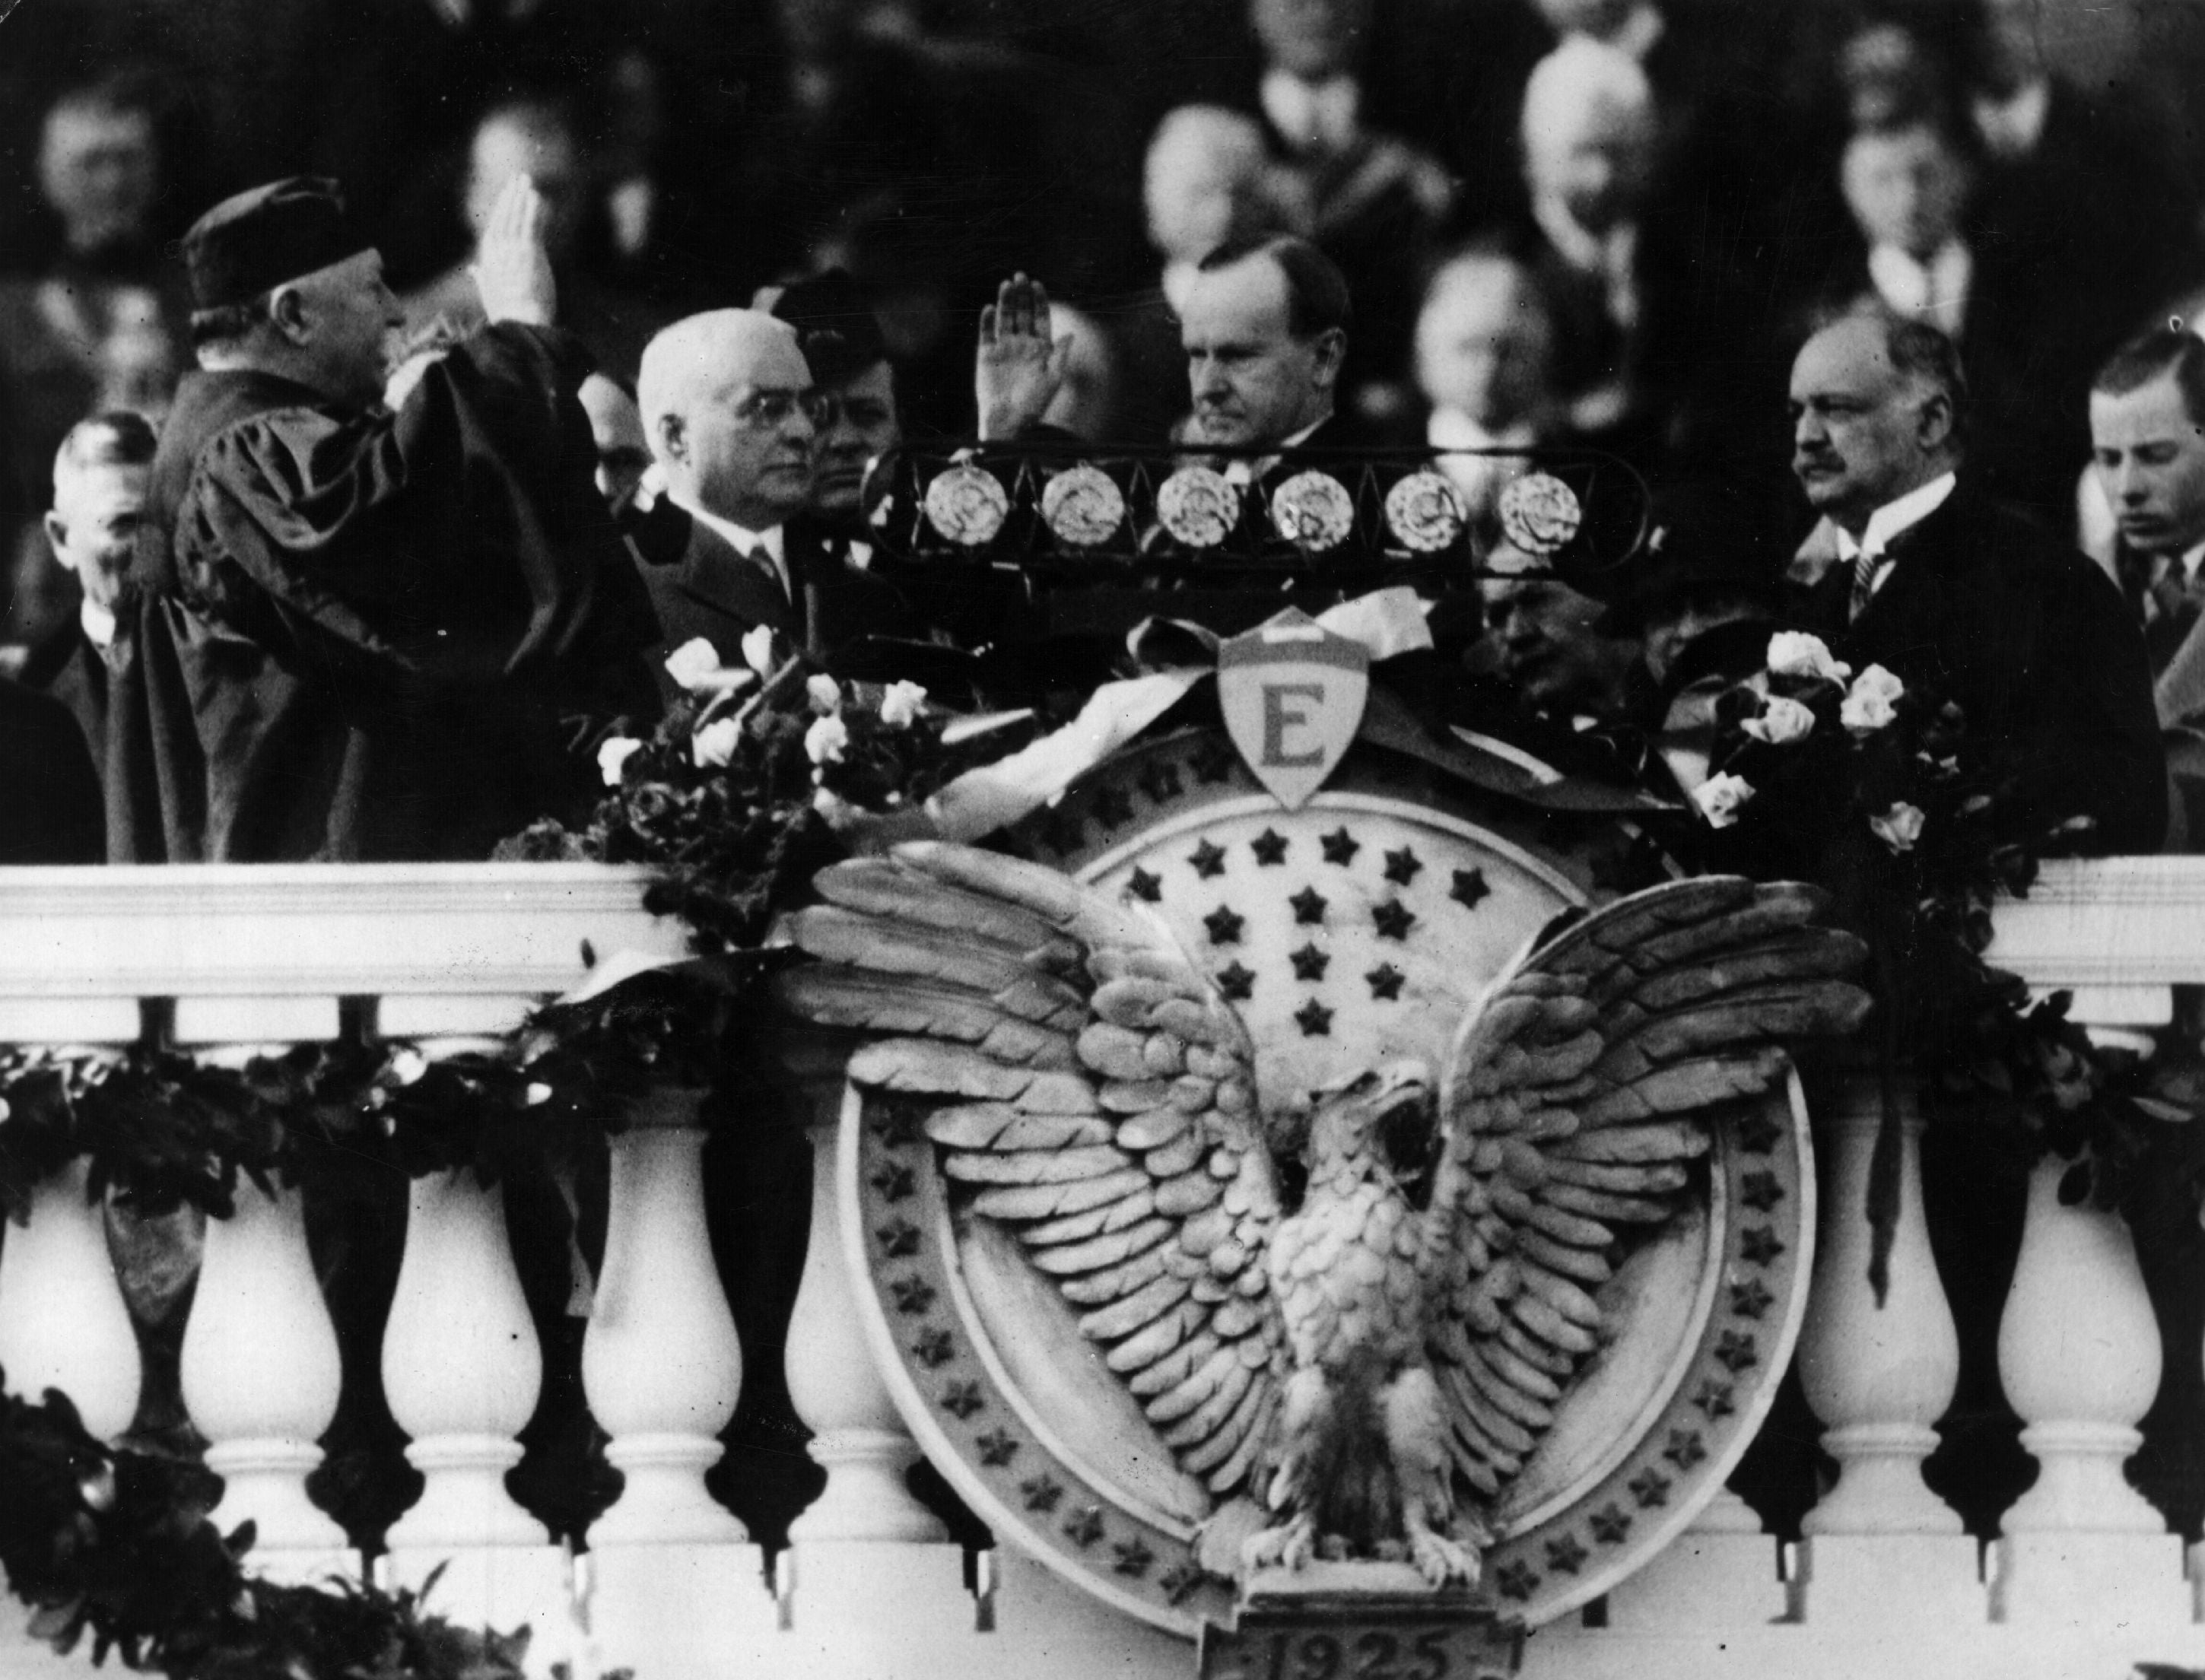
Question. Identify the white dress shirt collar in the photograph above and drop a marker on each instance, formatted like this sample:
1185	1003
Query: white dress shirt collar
2012	127
1311	116
1894	516
98	626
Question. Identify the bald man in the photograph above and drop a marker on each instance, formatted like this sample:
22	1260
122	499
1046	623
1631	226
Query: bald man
734	422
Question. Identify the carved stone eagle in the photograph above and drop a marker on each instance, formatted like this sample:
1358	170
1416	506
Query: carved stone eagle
1373	1360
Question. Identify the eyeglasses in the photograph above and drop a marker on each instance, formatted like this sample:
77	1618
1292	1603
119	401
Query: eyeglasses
764	410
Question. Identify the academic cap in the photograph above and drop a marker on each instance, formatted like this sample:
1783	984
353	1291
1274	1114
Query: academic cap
257	239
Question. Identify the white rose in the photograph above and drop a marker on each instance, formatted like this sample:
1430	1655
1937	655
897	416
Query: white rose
825	692
408	1065
1793	653
694	664
1719	797
1780	720
715	744
758	649
900	705
1899	826
538	1092
824	741
1870	702
613	757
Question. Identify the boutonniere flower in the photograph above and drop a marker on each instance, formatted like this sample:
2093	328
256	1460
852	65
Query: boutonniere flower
1720	797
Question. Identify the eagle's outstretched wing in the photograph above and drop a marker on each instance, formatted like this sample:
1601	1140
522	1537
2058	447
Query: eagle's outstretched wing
1098	1098
1572	1098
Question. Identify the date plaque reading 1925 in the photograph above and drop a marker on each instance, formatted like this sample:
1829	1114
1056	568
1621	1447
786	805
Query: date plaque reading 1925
1369	1636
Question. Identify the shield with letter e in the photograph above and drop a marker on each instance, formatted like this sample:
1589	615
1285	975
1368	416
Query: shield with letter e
1292	693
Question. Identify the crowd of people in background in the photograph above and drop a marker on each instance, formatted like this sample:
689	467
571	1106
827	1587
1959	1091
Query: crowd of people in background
1822	274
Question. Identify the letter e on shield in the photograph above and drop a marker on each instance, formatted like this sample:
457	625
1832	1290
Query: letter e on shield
1293	694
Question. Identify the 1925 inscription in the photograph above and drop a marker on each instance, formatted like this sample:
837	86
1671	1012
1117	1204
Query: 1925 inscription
1299	1647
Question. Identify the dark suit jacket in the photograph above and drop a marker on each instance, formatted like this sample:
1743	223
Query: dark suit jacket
73	671
2036	644
704	588
52	813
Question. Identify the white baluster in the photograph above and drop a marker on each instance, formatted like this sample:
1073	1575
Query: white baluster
1879	1376
660	1361
858	1438
261	1376
672	1584
2079	1358
461	1367
63	1322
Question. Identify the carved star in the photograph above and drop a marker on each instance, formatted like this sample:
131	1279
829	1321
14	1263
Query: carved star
1159	781
1236	982
1132	1558
1063	831
1393	919
1224	926
913	1296
1149	888
1340	847
1042	1492
1715	1399
1309	907
1179	1581
1269	847
1385	982
1759	1191
1566	1554
1611	1525
1751	1299
1650	1488
1469	887
1214	764
1685	1449
1401	867
1314	1020
1085	1527
997	1447
961	1399
1757	1134
894	1183
1208	858
1113	808
1515	1579
1759	1244
899	1238
1309	963
1737	1351
934	1347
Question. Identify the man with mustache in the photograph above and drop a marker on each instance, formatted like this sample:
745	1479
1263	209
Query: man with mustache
1959	594
733	419
362	632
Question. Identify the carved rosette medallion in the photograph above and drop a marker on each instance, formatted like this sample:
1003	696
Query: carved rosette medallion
1356	929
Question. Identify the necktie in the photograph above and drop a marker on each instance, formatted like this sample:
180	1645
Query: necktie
1866	565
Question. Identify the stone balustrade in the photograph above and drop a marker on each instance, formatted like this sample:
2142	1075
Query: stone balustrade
2083	1580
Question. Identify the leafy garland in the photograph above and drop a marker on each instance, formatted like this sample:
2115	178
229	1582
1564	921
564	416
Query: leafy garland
1881	791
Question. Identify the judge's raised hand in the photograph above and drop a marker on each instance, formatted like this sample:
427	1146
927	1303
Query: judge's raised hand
512	271
1018	366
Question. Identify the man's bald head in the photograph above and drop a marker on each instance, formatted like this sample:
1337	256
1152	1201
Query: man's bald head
729	410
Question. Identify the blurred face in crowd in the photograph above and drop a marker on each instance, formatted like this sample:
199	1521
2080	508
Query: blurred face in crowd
99	170
2012	47
1863	433
1310	38
1254	381
616	430
1484	342
1905	187
1596	160
2150	455
93	525
1203	180
863	427
1599	19
738	432
1543	641
538	144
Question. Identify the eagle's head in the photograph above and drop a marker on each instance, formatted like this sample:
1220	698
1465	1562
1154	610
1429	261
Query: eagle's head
1379	1116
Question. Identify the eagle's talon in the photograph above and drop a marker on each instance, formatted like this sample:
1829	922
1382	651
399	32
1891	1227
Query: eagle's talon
1289	1546
1440	1560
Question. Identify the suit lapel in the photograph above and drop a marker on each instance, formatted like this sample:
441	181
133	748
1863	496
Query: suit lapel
720	580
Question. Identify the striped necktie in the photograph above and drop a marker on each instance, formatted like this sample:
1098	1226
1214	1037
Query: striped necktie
1867	565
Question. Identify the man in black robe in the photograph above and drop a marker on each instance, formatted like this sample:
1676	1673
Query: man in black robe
363	633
